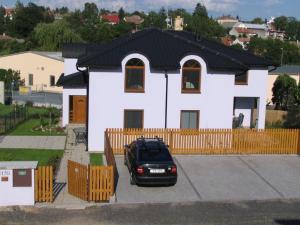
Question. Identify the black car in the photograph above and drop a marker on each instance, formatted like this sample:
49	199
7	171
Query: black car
150	162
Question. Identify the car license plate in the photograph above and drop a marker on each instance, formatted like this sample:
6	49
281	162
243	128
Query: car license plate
157	170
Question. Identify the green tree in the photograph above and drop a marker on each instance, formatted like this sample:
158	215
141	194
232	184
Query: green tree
258	20
284	92
26	18
237	46
50	37
90	11
121	14
293	117
10	77
281	23
293	29
203	25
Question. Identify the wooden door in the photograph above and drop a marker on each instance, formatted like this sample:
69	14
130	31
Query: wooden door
79	109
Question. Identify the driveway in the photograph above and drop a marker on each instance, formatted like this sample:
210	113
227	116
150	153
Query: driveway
219	178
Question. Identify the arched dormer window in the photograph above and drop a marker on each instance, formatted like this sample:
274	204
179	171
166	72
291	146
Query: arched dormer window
135	76
191	77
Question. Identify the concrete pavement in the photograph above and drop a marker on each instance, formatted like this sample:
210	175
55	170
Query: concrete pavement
33	142
220	178
202	213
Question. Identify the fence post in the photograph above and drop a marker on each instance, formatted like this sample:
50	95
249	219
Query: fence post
89	180
171	141
298	142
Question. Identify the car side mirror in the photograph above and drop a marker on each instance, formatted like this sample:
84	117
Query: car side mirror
126	146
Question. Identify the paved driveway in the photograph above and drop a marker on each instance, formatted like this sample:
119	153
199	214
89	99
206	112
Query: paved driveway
220	178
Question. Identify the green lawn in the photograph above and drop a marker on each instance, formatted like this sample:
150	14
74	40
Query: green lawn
96	159
45	157
4	109
27	128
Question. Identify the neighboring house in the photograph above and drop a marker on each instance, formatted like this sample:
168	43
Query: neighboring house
160	79
227	21
39	70
291	70
9	12
249	30
228	41
273	32
111	18
178	23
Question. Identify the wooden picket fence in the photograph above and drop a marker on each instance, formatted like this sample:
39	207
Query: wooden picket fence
213	141
90	183
101	183
43	184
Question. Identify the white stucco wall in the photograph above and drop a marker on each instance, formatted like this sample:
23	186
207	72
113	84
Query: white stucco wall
107	99
10	195
257	82
66	98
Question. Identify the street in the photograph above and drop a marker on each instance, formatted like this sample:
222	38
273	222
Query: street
238	213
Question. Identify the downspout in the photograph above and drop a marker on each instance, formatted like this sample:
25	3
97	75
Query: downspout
166	99
85	74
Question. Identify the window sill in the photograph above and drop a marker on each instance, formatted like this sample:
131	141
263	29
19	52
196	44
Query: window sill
190	92
134	91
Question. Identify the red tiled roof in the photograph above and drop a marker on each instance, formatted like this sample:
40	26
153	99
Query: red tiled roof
244	31
9	11
112	18
226	41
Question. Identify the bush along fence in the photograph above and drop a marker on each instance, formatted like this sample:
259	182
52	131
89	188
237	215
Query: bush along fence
9	121
213	141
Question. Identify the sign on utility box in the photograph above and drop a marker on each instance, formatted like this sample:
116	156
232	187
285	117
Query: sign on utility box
1	92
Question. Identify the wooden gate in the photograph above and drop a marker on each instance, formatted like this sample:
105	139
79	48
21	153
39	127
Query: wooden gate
90	183
78	180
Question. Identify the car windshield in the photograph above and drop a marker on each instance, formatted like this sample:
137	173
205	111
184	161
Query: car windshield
154	152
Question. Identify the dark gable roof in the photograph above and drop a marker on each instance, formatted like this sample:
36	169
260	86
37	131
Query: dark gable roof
78	79
165	49
287	69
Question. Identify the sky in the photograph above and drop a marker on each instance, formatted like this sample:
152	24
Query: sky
245	9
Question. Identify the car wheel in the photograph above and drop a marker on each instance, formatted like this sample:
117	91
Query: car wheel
132	180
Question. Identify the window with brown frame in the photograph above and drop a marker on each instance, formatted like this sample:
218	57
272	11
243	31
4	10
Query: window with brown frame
135	76
191	77
52	80
241	79
133	118
189	119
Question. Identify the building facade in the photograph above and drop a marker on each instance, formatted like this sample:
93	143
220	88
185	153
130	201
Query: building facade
137	86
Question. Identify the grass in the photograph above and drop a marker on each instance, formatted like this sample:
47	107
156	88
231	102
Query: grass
5	109
96	159
44	157
27	129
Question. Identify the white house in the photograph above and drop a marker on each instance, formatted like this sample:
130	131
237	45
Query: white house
249	30
160	79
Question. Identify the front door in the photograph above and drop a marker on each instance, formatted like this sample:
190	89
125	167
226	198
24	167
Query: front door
79	109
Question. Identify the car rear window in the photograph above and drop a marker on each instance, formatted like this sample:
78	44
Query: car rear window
154	152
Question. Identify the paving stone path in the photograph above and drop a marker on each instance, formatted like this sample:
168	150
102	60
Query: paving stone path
75	153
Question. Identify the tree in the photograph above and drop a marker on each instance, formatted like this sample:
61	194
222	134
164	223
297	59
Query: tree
121	14
90	11
293	29
10	78
26	18
284	92
50	37
200	11
281	23
257	20
203	25
237	46
273	49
